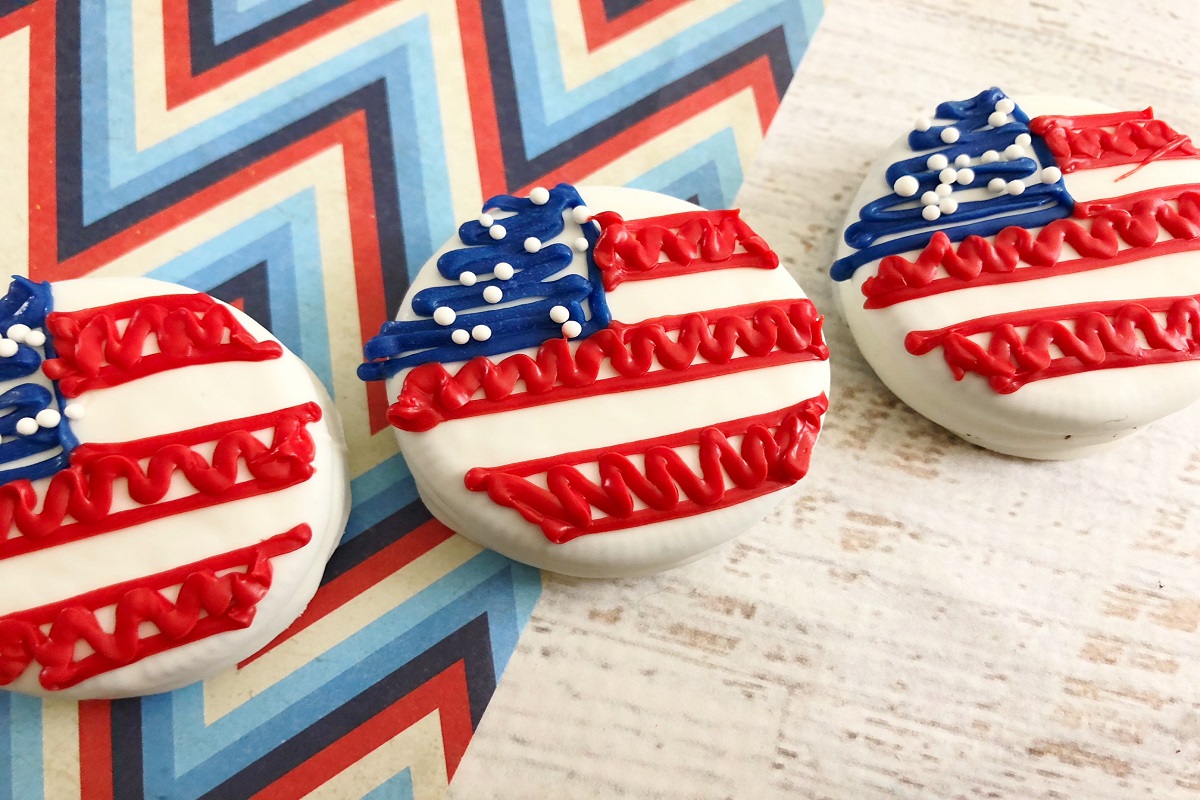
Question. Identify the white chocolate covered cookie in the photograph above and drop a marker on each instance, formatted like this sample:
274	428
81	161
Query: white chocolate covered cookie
603	382
172	484
1027	274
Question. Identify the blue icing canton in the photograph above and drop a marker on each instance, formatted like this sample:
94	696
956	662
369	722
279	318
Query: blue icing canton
505	261
984	144
32	415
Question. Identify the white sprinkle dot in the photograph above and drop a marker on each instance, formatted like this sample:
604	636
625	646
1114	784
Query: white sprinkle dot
460	336
48	418
1015	187
948	175
486	220
906	186
943	189
1014	151
17	332
937	161
532	245
8	348
74	411
468	278
1051	175
571	329
989	157
963	160
965	176
949	135
539	195
35	338
493	294
948	206
497	231
580	244
930	198
560	314
503	270
1005	105
1024	139
444	315
27	426
997	185
931	213
481	333
922	124
996	119
581	214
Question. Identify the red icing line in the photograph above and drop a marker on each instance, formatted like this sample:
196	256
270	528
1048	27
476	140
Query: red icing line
94	352
1090	336
774	453
1086	142
207	604
767	334
77	502
1132	220
693	241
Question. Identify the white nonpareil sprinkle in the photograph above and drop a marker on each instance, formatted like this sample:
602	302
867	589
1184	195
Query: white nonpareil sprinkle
560	314
493	294
949	135
460	336
906	186
444	315
532	245
504	271
48	418
539	195
481	333
571	329
497	231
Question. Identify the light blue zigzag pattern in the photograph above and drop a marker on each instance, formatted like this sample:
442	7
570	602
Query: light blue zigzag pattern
234	17
183	757
551	114
116	173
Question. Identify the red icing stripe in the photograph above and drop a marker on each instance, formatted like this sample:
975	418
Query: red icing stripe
766	333
1107	233
77	502
1090	336
774	452
94	351
679	244
206	604
1105	140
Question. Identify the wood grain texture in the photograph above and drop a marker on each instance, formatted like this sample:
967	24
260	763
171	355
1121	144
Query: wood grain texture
921	619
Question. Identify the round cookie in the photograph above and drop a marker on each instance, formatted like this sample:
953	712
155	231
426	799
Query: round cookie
1026	274
603	382
173	484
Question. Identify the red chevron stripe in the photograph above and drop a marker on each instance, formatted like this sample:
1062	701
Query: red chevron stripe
95	750
346	587
600	30
445	693
182	85
484	118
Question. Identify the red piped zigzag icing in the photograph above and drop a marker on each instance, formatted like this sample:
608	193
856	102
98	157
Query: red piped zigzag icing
677	244
77	502
206	604
1090	336
1097	235
774	452
1105	140
94	352
766	333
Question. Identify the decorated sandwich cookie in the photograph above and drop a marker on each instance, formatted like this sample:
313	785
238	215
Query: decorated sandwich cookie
173	483
1027	275
603	382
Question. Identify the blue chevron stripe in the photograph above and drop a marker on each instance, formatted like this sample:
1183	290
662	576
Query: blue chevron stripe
234	17
183	757
711	170
285	238
378	493
116	173
551	115
20	747
398	787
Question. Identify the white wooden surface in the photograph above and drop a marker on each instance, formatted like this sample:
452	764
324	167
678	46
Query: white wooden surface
923	619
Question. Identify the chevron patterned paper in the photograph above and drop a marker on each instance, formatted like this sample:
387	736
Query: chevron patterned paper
301	159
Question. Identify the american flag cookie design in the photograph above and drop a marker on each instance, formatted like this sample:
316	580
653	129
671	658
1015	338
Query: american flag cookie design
1026	273
603	382
174	482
